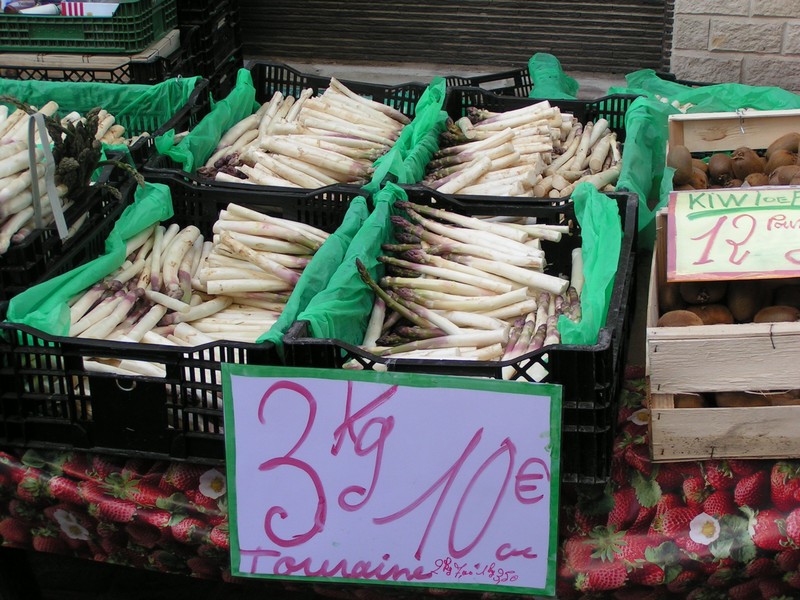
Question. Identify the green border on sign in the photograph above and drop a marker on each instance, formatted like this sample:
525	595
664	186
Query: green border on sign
420	380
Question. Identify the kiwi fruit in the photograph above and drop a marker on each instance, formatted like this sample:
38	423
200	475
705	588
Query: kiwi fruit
699	179
712	314
679	318
699	163
787	398
703	292
733	183
745	161
756	179
740	399
669	297
783	175
744	298
720	168
789	142
680	159
780	158
689	400
777	314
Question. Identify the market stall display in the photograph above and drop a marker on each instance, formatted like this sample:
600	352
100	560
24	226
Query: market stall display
384	277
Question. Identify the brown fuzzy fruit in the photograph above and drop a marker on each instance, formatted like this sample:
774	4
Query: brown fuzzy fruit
699	163
745	297
780	158
679	318
733	183
777	314
689	400
699	180
713	314
745	161
789	141
703	292
680	159
720	168
740	399
784	175
669	297
756	179
787	398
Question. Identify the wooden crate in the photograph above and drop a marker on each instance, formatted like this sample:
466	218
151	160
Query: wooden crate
724	131
711	358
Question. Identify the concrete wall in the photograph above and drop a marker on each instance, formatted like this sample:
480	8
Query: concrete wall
756	42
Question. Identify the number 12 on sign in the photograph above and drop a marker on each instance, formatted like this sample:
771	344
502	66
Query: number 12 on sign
734	233
392	478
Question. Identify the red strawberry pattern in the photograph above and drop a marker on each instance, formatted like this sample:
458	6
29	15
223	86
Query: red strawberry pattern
720	503
752	490
767	526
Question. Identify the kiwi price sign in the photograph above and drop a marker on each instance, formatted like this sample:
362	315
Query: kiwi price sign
392	478
734	234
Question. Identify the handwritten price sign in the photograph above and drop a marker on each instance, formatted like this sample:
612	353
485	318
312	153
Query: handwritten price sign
734	234
393	478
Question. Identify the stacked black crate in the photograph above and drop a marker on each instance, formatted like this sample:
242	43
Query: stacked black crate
211	31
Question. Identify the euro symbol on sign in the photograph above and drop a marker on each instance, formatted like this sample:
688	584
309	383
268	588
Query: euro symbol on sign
532	470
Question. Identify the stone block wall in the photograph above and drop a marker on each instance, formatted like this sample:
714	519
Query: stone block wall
756	42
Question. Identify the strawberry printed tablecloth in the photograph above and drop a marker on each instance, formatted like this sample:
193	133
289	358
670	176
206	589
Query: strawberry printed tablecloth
696	530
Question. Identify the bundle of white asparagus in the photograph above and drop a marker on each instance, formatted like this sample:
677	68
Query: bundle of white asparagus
537	150
178	289
468	288
17	218
307	142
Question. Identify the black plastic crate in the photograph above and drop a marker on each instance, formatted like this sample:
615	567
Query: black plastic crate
269	77
323	208
191	12
514	82
666	76
49	400
215	38
197	106
43	254
591	376
223	76
612	107
223	40
152	121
